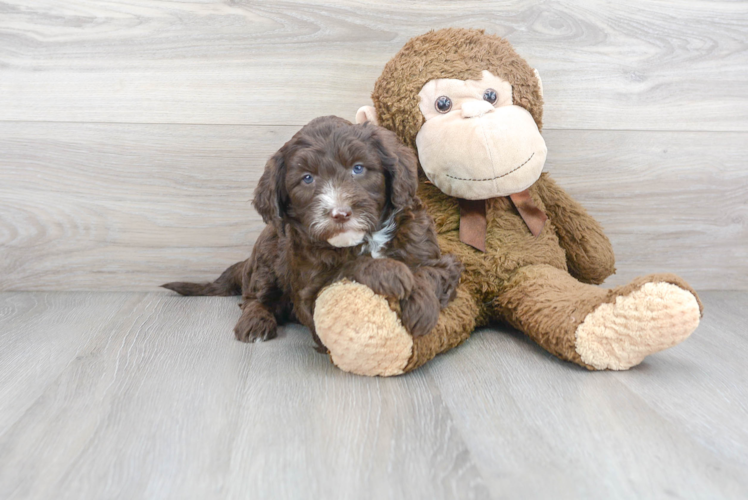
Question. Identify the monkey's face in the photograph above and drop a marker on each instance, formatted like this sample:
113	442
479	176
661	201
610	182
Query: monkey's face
475	143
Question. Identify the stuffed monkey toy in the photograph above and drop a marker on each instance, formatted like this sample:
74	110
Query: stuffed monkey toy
472	109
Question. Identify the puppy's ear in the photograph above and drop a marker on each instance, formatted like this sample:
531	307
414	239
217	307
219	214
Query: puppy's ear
270	194
401	165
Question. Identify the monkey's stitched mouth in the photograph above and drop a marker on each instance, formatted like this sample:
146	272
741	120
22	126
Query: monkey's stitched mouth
493	178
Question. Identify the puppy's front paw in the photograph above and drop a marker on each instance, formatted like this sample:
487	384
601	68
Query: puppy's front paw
420	312
387	277
251	328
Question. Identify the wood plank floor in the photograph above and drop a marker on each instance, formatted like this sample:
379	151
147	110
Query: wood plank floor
147	395
133	132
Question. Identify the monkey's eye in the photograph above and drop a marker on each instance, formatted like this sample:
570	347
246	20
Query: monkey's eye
308	179
490	96
443	104
358	169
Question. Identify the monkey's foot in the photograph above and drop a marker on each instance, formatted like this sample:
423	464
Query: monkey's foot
652	317
361	331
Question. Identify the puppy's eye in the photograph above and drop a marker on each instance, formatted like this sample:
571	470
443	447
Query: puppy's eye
358	169
443	104
307	179
490	96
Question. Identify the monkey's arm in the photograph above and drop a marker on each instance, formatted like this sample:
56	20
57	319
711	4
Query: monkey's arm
589	253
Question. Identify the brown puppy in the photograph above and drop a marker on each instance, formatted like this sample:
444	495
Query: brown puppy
339	200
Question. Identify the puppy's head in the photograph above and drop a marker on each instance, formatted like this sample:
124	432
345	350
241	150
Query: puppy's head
337	180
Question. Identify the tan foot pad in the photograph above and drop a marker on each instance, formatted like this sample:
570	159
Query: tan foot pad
361	331
620	335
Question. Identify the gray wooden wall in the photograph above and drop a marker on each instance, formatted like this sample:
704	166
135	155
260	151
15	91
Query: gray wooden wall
132	133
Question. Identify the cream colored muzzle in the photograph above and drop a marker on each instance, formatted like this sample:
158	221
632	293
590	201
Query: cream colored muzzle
482	152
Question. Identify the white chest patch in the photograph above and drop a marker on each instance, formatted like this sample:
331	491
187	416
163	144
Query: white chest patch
347	239
377	241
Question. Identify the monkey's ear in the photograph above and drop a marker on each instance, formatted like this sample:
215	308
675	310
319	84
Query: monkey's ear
540	82
366	113
270	194
401	165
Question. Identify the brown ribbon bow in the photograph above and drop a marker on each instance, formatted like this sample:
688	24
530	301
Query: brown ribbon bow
473	222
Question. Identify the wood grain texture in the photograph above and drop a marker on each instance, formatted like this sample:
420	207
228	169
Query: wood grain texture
673	426
670	202
164	403
126	200
135	395
128	207
52	331
654	65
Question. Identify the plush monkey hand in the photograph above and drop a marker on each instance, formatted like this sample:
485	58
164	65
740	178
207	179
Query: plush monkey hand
361	331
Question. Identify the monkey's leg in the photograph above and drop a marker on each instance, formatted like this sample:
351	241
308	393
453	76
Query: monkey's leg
364	335
595	327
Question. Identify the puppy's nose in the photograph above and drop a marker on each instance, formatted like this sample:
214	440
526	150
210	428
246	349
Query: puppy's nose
341	214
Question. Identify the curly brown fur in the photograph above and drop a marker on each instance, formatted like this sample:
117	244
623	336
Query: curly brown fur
449	53
293	258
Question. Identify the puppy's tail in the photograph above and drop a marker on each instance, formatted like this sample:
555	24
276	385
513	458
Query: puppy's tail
229	283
